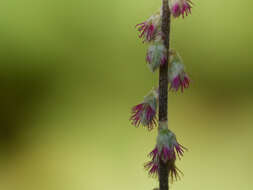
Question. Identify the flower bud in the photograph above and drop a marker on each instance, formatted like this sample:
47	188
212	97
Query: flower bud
177	76
156	56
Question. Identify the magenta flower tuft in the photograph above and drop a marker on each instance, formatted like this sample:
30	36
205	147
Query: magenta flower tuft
174	172
180	81
150	29
147	30
145	113
167	154
152	167
180	7
153	154
179	150
177	76
165	151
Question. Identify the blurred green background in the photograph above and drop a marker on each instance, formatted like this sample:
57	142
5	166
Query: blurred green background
70	72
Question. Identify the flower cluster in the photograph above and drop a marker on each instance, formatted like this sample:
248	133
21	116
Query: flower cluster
156	56
145	113
177	76
150	28
180	7
167	150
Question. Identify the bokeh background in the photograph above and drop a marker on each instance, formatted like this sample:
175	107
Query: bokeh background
70	72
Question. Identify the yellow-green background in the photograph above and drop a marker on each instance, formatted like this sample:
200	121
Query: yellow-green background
70	70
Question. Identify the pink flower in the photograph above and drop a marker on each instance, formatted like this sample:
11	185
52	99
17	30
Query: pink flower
149	29
168	152
166	155
180	7
145	113
177	76
165	151
180	81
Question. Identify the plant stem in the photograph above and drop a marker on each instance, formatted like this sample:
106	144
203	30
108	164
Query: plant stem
163	91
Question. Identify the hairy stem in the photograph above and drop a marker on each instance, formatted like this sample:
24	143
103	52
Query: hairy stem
163	90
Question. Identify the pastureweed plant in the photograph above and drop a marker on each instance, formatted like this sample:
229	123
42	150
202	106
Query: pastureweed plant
152	111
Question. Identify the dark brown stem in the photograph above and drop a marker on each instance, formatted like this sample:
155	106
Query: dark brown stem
163	91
